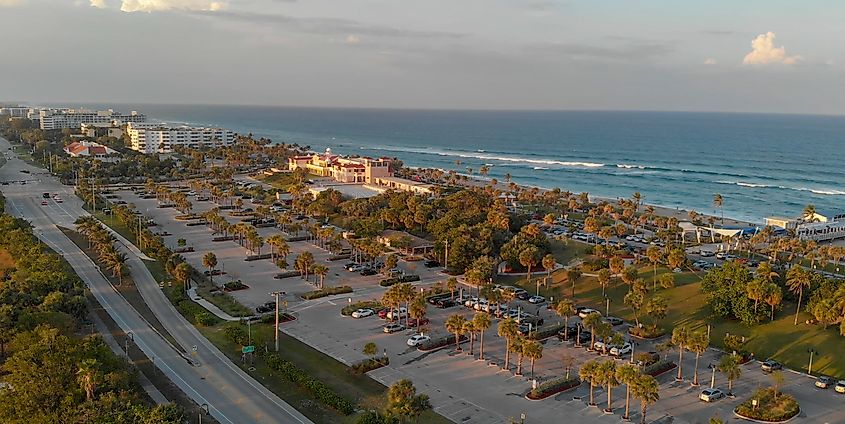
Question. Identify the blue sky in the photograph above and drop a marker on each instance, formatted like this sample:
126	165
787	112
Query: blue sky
502	54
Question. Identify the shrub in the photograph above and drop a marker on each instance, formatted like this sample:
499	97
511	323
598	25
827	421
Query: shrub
328	291
388	282
348	310
234	285
646	332
370	364
553	387
205	319
317	388
659	367
404	279
769	409
236	334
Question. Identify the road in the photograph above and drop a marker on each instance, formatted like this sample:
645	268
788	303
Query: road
206	376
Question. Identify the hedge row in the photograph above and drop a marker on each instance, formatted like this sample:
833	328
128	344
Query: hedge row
319	390
404	279
553	387
546	332
440	342
659	367
328	291
370	364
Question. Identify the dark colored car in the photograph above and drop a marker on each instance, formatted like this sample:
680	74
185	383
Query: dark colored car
585	336
522	295
614	321
568	333
445	303
368	271
431	264
433	300
413	323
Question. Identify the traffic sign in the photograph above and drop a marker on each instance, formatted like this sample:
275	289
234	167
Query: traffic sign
248	349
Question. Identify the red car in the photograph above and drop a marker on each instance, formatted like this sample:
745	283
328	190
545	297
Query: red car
43	203
383	313
418	322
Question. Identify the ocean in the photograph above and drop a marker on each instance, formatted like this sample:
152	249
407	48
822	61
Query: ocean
762	165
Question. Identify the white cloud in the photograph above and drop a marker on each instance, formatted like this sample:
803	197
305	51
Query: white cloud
352	39
10	3
164	5
710	61
764	52
100	4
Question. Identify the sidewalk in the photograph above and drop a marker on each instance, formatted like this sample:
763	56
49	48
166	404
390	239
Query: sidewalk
192	294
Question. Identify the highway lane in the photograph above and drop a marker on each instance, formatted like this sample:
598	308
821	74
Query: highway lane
206	376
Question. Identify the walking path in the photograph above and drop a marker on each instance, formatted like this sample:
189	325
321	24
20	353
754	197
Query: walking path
192	294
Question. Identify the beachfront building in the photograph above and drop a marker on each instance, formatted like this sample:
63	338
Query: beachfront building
782	222
89	149
821	231
14	111
163	138
55	119
100	130
375	173
405	242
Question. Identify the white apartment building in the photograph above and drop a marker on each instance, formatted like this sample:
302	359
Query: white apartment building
163	138
14	111
54	119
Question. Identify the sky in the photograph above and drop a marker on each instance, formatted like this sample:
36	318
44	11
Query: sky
779	56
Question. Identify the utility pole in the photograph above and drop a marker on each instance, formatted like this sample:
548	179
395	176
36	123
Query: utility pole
446	256
276	294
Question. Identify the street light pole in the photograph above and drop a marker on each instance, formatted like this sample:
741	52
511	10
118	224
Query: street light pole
203	409
276	295
713	377
810	366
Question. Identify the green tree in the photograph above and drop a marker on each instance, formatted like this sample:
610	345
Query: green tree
589	372
627	374
797	279
455	324
680	338
370	349
608	379
507	329
730	365
481	322
209	260
566	309
647	390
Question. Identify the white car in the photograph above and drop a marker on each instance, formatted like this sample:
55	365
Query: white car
710	395
417	339
625	349
361	313
840	386
470	301
587	312
397	313
536	299
393	327
480	305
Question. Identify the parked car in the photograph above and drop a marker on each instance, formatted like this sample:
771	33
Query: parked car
417	339
43	203
585	337
431	264
823	382
368	271
383	313
397	313
414	323
625	349
770	365
536	299
393	327
584	313
433	300
614	321
840	386
363	312
710	395
522	295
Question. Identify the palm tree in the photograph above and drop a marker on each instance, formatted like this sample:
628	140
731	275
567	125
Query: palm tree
452	285
810	213
647	391
209	260
654	255
592	321
322	271
589	372
573	274
729	364
549	264
680	338
182	273
532	350
603	278
774	295
469	328
566	309
718	201
797	279
528	257
607	376
88	376
455	325
697	343
481	322
507	329
627	374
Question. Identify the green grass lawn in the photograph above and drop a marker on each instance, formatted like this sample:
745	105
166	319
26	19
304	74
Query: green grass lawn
281	180
366	392
779	339
566	250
